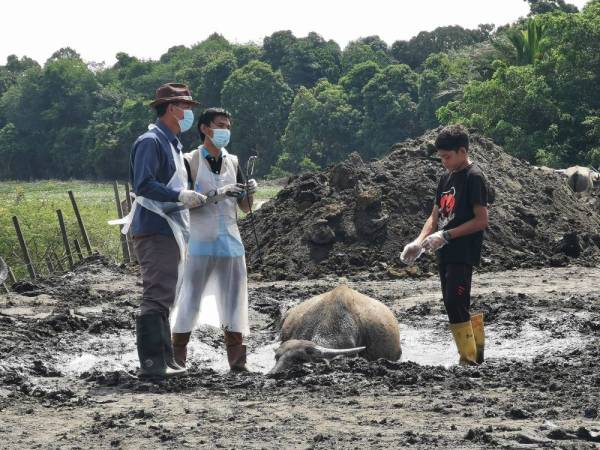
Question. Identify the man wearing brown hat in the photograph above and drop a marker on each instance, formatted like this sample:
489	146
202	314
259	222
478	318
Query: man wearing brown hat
159	178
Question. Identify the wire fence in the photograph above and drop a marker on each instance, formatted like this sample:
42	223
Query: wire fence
35	207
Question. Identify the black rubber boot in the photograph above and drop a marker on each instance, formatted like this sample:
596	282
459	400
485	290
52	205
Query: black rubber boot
151	347
169	354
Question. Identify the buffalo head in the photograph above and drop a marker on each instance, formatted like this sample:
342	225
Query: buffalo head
296	351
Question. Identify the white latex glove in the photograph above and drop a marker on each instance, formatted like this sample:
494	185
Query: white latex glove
411	252
252	186
434	242
231	190
191	199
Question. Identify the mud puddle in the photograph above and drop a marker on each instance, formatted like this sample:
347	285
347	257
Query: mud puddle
422	345
435	347
118	353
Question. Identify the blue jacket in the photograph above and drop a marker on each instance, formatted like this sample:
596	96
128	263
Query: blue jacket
151	168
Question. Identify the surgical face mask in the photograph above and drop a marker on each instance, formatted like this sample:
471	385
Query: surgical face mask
220	137
187	121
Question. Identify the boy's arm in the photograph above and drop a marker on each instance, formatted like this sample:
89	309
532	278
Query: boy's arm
413	250
477	223
430	225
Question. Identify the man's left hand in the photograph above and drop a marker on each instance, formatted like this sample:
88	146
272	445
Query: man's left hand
252	186
434	241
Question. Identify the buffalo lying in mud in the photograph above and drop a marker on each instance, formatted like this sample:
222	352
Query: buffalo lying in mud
339	322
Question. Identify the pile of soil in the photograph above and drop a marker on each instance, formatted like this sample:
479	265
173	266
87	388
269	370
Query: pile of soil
355	218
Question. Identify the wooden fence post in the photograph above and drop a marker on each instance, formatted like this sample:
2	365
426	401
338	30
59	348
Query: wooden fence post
49	264
11	275
24	248
129	236
63	232
8	273
86	239
124	246
78	249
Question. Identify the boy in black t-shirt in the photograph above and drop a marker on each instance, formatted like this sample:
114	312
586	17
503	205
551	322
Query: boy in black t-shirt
455	231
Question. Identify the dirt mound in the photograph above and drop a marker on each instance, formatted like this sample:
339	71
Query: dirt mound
355	218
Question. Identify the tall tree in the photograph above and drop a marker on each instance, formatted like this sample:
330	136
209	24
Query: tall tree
546	6
371	48
322	129
277	46
259	100
310	59
414	51
527	43
390	109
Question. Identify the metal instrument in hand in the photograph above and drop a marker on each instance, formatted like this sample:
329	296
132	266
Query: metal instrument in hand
249	171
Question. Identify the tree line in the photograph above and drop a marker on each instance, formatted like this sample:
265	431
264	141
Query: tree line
303	103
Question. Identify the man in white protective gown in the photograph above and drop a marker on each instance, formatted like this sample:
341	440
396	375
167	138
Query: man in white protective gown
214	289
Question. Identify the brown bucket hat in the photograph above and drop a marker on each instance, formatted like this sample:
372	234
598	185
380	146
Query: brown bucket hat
173	92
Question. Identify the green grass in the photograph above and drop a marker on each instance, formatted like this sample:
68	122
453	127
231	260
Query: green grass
35	204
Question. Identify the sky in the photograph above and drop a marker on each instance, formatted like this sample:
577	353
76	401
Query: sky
99	29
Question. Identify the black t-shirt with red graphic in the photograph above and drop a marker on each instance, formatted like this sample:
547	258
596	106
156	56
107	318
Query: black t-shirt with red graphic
457	194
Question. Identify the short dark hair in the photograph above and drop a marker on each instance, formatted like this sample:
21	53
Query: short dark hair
208	115
452	137
161	109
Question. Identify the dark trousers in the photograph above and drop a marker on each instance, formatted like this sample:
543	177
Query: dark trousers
456	290
158	256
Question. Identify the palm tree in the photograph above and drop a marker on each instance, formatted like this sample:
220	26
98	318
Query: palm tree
527	43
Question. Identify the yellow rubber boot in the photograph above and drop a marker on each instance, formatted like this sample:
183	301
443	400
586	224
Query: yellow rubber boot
465	342
479	335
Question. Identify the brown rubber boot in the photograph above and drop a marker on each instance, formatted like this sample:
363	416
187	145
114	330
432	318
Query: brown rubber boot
180	342
236	352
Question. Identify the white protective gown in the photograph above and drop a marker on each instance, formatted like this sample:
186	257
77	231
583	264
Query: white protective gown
178	219
214	288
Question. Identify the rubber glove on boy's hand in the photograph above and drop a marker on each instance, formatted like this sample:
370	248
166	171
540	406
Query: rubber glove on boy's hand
191	199
434	242
411	252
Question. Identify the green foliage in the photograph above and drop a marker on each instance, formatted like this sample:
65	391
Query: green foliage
301	103
309	59
365	50
416	50
356	79
527	43
35	205
514	108
546	6
322	129
390	109
259	100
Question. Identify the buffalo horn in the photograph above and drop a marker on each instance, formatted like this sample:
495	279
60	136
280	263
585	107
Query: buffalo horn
331	352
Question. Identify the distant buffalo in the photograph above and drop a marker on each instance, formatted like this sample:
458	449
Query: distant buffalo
339	322
580	179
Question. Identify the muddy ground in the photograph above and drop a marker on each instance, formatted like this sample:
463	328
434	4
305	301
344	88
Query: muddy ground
67	371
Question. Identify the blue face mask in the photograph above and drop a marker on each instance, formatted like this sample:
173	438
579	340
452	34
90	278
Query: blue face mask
187	121
220	137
